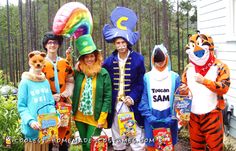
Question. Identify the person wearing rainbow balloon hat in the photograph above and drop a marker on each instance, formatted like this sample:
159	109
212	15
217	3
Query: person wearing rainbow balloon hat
126	69
92	94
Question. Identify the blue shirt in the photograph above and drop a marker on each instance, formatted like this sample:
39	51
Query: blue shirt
32	96
133	81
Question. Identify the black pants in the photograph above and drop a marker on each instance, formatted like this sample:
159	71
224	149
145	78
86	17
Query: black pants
62	147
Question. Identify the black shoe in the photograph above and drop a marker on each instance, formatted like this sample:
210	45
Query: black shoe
64	146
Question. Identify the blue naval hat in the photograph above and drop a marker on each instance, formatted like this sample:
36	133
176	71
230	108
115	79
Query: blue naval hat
123	22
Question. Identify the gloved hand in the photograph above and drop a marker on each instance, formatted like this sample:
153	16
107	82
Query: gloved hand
199	78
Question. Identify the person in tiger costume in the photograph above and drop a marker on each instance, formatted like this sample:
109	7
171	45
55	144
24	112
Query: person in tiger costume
208	79
59	73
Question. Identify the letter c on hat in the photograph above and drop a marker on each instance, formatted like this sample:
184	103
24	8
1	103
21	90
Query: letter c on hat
119	21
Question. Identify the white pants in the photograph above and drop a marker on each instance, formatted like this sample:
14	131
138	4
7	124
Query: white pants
137	144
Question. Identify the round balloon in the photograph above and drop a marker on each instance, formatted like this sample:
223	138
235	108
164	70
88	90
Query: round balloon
73	19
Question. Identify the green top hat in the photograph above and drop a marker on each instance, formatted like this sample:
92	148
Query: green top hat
85	45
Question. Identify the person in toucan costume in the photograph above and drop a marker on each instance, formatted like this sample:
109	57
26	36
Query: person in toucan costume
157	101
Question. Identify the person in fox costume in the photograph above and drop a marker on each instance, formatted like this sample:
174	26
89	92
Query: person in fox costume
208	79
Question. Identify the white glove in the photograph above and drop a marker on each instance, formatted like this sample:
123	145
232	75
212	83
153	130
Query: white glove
128	101
199	78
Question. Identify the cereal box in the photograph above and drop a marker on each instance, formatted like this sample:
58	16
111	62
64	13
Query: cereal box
183	108
65	111
99	143
49	130
127	124
163	140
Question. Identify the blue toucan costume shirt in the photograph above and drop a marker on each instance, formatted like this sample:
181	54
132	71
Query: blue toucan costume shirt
157	102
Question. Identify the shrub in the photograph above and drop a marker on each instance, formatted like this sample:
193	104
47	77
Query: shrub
9	122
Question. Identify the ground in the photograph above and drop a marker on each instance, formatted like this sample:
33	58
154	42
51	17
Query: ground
230	143
183	143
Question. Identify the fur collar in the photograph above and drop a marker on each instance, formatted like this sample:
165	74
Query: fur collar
33	77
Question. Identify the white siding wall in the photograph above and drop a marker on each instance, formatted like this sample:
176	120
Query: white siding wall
218	19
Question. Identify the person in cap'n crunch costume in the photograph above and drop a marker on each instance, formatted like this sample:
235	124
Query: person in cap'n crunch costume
126	69
208	78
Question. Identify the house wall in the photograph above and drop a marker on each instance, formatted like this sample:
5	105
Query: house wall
218	19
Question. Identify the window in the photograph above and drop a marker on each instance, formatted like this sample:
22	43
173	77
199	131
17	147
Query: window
234	17
231	34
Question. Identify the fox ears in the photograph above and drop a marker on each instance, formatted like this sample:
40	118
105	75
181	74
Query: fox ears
32	53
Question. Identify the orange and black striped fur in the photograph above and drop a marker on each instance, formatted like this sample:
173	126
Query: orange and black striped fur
206	129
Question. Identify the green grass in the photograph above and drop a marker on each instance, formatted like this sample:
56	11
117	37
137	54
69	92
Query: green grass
75	148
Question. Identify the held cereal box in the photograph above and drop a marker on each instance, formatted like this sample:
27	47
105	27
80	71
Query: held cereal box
127	124
65	111
49	130
99	143
163	140
183	108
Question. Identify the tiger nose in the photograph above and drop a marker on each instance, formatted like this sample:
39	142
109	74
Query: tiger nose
199	53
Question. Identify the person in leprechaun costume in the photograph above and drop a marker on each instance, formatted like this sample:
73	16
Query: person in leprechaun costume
92	92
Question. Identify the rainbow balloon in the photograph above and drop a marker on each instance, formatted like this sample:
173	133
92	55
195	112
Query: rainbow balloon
73	19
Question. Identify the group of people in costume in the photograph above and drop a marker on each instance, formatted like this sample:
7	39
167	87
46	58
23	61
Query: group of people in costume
102	89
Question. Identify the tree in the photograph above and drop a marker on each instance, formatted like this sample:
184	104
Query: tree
9	41
158	23
22	28
1	47
1	52
49	16
139	27
22	60
28	42
186	7
178	54
165	24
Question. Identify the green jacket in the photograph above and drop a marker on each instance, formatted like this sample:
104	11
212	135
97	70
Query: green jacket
103	93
